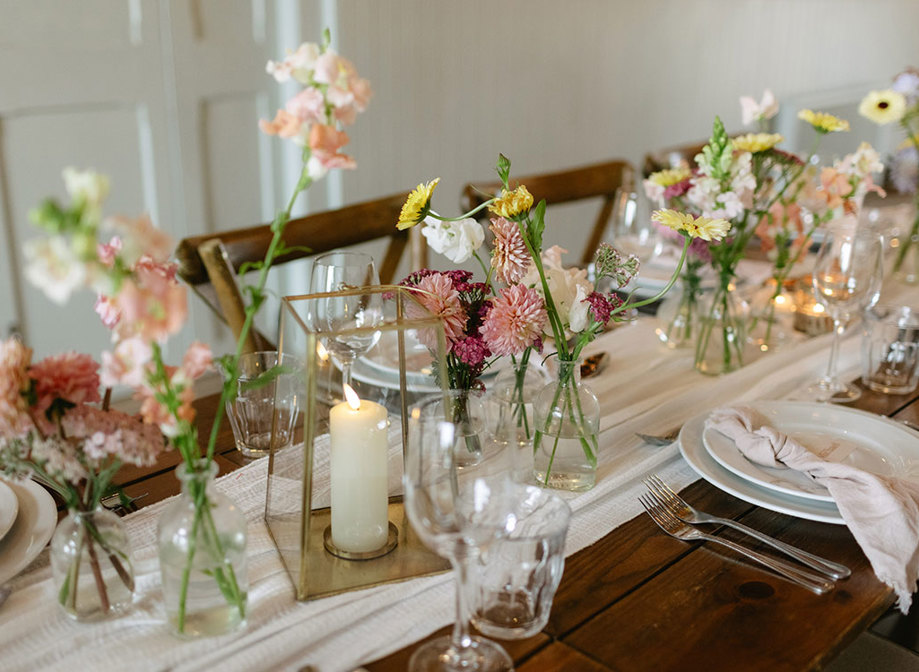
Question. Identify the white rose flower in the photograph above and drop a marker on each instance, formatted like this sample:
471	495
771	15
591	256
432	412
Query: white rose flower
566	285
577	316
457	241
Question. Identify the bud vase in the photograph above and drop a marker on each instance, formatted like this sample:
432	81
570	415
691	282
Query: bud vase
513	394
202	550
91	565
906	263
678	317
721	341
466	410
567	416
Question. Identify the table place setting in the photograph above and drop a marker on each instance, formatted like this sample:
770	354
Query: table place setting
431	452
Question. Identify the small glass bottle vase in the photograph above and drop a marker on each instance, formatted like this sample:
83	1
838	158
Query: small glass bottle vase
721	341
91	565
513	395
202	548
567	416
678	317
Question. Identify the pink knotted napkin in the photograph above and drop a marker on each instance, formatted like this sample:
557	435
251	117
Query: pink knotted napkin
882	512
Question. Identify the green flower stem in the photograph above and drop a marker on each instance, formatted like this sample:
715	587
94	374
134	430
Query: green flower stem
628	305
558	330
186	572
97	576
466	215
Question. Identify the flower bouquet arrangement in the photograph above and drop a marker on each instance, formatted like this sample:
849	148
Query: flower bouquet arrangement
763	191
900	104
54	429
202	536
531	299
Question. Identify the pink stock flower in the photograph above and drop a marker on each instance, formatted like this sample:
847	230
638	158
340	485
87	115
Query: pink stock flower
308	106
139	238
325	141
107	310
516	320
156	413
197	360
439	297
153	305
14	384
284	124
834	187
127	365
510	257
347	93
108	251
787	218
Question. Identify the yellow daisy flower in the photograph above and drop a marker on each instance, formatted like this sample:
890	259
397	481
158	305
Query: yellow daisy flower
670	176
417	205
756	142
883	107
705	228
823	122
511	203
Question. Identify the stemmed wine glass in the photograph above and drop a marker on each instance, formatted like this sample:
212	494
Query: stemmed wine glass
631	225
847	280
341	271
456	512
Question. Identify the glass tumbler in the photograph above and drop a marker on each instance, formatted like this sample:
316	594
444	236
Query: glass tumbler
515	578
890	349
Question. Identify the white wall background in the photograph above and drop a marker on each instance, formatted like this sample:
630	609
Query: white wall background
165	95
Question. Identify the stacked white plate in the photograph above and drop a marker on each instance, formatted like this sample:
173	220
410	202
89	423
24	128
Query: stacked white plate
27	520
836	433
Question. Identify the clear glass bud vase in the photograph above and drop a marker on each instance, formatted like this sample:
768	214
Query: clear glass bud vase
567	416
722	341
678	317
91	565
512	397
202	549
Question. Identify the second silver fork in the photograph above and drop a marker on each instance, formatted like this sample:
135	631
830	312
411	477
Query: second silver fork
682	510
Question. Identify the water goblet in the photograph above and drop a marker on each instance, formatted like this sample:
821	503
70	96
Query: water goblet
456	512
847	280
343	271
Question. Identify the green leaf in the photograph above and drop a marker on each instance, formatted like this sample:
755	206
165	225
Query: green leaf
250	266
504	169
538	225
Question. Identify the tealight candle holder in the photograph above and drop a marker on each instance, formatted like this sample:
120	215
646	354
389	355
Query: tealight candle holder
328	504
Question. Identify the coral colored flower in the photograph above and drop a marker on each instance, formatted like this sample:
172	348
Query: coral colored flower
510	257
308	106
516	320
71	376
298	64
152	305
198	359
751	111
787	218
417	205
511	203
883	107
139	238
834	187
823	122
127	365
284	124
756	142
324	142
14	385
440	298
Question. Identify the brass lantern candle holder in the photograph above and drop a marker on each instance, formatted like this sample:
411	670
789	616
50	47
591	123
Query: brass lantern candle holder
332	504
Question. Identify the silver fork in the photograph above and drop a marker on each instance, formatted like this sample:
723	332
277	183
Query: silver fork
680	508
677	528
660	440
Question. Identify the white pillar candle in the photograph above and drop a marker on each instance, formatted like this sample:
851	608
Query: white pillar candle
359	446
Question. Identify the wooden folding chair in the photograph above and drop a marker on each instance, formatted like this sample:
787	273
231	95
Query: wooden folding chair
575	184
210	263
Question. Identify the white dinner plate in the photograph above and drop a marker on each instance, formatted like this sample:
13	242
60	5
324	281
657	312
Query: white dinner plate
9	508
694	452
30	533
849	436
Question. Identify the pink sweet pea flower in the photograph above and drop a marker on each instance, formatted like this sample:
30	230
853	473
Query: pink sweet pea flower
127	365
153	305
284	124
308	107
197	360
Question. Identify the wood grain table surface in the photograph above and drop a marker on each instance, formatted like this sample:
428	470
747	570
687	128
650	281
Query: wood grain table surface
640	600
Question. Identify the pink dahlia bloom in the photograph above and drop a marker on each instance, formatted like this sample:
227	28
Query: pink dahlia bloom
438	295
516	321
14	382
510	257
70	376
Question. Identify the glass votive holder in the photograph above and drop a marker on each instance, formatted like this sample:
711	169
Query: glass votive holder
810	315
515	578
262	406
890	349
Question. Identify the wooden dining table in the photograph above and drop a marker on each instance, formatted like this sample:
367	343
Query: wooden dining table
638	599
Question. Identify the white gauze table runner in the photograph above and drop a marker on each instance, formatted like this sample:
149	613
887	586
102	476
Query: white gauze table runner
644	388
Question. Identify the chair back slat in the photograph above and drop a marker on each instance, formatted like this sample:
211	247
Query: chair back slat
566	186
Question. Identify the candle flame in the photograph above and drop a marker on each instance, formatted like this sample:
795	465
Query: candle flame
322	352
351	397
